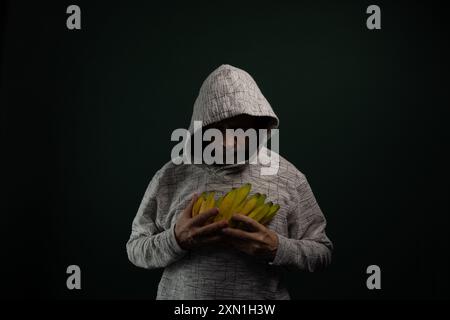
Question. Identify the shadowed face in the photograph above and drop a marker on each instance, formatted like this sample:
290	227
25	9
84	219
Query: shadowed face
243	122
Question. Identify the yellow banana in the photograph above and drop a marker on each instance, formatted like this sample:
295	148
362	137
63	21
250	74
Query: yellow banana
198	204
261	200
208	203
241	195
211	201
257	211
240	201
202	207
237	200
272	212
254	207
263	212
226	205
219	201
247	206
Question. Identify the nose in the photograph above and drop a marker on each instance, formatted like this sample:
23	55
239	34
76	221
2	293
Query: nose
229	142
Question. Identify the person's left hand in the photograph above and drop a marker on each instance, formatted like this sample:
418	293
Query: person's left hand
257	240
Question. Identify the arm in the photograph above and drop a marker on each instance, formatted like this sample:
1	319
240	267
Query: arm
148	246
308	247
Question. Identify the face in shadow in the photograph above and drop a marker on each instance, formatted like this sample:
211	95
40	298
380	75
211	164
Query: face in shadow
234	145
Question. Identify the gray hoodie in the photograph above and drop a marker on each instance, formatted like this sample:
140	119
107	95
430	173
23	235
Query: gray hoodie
217	272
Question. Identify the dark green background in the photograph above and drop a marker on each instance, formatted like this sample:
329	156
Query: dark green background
86	118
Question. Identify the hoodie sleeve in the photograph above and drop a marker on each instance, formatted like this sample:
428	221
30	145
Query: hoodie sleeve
150	247
307	248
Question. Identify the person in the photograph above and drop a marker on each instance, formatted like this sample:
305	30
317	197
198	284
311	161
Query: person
204	260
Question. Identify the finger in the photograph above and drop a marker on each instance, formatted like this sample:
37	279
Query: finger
212	228
249	222
239	234
200	219
188	211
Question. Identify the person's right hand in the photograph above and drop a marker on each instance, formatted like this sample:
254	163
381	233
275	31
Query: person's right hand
191	232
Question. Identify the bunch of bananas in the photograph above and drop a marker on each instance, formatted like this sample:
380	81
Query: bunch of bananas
237	200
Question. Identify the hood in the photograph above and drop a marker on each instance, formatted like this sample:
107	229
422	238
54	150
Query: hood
227	92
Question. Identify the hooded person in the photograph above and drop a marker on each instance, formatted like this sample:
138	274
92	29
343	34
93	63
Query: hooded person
219	270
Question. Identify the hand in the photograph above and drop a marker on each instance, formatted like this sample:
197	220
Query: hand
258	241
191	232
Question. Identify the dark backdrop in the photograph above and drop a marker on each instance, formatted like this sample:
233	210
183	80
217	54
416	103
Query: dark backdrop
86	118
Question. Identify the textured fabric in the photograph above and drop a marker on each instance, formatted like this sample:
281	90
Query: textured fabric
217	272
227	92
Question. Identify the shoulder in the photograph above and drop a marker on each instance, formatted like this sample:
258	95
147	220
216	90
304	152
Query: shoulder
171	173
285	171
290	172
